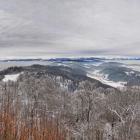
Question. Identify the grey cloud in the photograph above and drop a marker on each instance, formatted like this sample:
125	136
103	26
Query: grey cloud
71	28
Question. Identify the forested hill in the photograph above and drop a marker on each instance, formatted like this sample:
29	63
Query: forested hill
69	77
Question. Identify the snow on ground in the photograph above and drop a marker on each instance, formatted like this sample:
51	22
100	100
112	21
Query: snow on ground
130	65
59	64
131	72
87	67
97	64
103	79
135	68
127	73
12	77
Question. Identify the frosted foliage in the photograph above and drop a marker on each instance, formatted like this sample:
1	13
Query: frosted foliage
89	113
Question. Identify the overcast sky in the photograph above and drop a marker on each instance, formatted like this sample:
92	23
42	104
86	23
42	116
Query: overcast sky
69	28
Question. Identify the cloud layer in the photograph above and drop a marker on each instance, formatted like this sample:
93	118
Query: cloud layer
61	28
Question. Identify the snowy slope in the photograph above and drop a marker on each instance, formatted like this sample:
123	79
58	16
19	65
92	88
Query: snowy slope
103	78
11	77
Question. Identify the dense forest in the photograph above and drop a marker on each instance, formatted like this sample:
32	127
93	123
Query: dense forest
36	107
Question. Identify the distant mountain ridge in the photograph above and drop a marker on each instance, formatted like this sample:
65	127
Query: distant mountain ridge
79	59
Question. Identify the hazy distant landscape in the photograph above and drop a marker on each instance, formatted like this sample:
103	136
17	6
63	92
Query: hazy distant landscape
115	73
